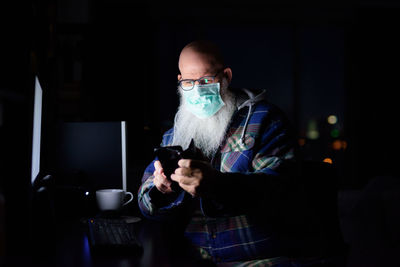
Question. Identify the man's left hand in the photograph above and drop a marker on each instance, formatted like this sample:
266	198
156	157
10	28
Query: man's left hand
194	176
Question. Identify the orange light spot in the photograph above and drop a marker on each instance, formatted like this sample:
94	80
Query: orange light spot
328	160
337	145
302	142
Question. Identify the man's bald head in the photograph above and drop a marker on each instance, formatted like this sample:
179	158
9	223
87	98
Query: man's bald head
200	56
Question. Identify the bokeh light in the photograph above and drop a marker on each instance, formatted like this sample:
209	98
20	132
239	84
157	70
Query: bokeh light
332	119
335	133
302	141
312	130
337	145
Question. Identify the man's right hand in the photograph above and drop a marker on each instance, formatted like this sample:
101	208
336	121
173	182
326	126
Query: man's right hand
160	180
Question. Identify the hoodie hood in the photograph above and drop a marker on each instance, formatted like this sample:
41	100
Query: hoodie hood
248	98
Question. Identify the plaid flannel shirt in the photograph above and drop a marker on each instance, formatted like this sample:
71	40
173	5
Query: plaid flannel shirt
258	143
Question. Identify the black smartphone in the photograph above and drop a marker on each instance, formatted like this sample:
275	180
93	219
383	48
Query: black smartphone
169	157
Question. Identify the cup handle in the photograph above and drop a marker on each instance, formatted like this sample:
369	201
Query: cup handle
130	199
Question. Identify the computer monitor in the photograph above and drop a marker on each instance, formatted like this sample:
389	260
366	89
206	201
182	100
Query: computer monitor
42	213
28	214
36	130
91	155
94	151
85	157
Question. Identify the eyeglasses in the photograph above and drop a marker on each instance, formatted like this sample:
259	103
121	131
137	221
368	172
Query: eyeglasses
188	84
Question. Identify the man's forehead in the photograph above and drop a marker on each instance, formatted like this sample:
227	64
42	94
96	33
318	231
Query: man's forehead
191	59
194	71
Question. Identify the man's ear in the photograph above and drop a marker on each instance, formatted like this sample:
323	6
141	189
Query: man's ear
228	74
179	77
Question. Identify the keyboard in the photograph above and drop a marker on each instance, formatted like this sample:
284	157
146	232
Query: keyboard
112	234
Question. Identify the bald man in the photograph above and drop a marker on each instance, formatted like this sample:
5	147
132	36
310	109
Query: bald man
231	197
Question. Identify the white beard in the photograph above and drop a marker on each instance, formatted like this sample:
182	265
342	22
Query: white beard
207	133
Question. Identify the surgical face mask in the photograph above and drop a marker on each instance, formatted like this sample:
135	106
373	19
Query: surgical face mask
204	100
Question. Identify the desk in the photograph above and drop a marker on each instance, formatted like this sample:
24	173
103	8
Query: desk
160	248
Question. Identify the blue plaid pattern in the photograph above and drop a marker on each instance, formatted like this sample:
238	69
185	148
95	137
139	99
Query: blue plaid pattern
268	142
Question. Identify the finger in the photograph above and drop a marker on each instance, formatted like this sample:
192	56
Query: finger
175	177
165	186
162	185
179	178
162	179
183	171
158	170
159	176
166	182
191	163
184	163
157	165
157	180
184	180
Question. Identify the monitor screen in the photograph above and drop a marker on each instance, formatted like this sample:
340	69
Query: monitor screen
28	212
37	127
91	154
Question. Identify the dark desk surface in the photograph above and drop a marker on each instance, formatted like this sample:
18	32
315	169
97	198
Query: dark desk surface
58	237
161	247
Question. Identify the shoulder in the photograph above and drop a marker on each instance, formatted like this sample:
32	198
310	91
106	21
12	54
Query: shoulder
264	111
271	115
258	100
265	107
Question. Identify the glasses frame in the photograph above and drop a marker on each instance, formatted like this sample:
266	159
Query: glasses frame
198	80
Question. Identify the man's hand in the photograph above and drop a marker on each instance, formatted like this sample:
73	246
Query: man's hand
194	176
160	180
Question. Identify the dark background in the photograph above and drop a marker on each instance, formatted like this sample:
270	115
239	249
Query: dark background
117	60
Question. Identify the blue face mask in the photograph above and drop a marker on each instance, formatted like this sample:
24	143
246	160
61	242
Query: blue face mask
204	100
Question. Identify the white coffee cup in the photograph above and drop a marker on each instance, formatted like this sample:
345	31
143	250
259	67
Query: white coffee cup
112	199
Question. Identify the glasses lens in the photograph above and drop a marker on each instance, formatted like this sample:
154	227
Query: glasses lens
206	80
186	85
